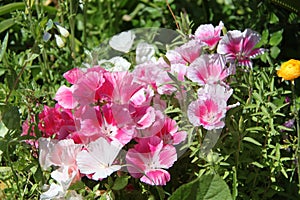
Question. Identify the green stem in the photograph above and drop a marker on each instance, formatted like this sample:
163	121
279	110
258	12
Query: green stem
296	114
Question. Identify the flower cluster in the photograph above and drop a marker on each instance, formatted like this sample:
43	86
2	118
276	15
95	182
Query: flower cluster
105	110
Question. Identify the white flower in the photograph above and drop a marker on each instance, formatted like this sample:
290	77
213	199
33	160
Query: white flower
97	159
122	42
55	191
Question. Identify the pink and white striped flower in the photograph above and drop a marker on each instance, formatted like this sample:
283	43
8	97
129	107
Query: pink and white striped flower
239	47
207	69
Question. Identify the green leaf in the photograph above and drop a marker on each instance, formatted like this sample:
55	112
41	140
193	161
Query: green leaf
207	187
11	118
257	128
275	51
273	19
120	183
251	140
3	47
6	24
8	8
276	38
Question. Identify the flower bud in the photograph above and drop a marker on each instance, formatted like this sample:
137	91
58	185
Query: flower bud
60	43
64	32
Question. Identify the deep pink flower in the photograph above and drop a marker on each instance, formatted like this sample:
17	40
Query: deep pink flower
207	69
208	113
239	47
149	159
209	34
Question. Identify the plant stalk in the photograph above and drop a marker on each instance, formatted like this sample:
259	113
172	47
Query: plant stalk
296	114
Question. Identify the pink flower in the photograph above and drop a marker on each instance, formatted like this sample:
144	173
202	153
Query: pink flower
96	160
169	133
207	113
239	46
207	69
209	34
64	97
149	159
56	121
73	75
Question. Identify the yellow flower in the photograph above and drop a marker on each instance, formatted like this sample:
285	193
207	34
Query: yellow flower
289	70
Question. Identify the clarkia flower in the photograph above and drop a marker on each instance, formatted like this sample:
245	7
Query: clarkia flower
208	113
149	159
209	34
207	70
239	47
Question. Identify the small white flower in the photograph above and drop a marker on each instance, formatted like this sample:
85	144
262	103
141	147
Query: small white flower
60	43
122	42
64	32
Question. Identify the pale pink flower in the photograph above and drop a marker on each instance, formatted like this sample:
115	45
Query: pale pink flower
208	113
207	69
209	34
239	47
190	50
86	87
97	159
149	159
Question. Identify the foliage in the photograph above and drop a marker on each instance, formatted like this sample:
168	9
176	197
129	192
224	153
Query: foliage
255	154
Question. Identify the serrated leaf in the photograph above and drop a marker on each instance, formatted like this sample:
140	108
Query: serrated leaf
207	187
251	140
276	38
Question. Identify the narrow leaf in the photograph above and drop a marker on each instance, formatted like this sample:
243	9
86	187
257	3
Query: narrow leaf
251	140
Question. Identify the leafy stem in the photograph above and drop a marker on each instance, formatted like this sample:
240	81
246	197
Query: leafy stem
296	114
